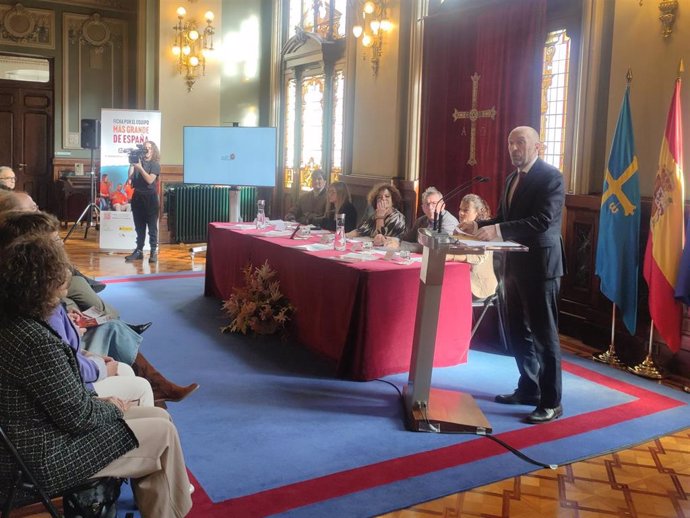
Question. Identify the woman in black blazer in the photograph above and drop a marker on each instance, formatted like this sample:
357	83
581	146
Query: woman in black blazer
338	202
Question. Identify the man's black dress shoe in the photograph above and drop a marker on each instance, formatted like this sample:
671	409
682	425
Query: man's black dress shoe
97	286
544	415
140	328
516	399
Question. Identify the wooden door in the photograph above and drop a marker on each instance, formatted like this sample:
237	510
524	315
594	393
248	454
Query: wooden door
26	136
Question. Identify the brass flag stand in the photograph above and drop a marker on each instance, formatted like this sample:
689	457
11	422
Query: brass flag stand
647	368
610	355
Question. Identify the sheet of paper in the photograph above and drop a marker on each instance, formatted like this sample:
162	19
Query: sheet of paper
356	257
315	247
501	244
243	226
278	233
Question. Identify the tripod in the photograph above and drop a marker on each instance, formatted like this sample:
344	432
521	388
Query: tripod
90	209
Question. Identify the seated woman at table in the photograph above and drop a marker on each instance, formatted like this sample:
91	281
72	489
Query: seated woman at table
65	433
483	280
338	202
386	220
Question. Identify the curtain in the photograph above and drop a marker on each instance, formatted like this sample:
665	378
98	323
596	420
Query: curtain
502	42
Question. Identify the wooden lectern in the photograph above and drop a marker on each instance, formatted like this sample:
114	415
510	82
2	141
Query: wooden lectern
428	409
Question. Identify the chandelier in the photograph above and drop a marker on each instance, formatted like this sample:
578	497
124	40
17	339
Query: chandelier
371	24
192	46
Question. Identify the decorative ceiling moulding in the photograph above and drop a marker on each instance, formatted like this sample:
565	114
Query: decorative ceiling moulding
27	27
108	5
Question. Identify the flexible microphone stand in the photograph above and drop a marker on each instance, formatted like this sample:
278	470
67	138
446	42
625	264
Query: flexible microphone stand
438	216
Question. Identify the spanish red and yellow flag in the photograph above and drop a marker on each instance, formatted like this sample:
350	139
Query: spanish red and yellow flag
666	233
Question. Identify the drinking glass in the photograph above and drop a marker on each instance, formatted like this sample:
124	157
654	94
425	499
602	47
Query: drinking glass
339	242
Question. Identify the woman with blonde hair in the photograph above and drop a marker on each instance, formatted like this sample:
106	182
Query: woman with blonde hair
338	202
483	282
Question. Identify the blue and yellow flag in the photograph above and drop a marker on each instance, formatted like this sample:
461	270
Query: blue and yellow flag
618	262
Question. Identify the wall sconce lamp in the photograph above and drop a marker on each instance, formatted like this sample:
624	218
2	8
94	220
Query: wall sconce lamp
667	17
371	27
192	46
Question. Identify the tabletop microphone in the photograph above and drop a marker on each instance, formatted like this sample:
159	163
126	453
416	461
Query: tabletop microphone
463	187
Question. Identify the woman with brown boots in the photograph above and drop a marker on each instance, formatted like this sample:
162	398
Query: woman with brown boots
163	389
113	338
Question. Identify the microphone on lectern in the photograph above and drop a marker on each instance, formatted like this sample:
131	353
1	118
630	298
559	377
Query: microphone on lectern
463	187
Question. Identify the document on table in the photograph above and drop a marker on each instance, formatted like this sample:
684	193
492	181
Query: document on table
489	244
315	247
277	233
243	226
356	257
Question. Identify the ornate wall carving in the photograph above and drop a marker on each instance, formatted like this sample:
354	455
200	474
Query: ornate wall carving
24	27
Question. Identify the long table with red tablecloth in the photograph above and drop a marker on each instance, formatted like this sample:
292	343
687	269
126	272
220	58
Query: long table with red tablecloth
361	315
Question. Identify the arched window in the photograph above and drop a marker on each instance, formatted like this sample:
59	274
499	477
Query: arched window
559	84
313	63
554	104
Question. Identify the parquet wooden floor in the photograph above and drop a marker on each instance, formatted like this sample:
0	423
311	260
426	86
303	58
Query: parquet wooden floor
651	480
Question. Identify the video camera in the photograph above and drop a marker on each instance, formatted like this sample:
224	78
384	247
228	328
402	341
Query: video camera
135	154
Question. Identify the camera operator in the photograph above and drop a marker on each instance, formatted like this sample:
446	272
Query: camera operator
145	204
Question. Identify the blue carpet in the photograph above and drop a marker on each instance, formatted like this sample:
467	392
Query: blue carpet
271	432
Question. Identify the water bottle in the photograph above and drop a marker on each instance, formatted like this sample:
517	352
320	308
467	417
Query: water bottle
260	214
339	242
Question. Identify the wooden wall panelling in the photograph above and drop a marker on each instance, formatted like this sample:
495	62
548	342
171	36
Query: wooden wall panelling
585	313
71	192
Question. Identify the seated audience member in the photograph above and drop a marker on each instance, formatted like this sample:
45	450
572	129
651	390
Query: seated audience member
21	201
312	204
102	374
119	199
483	281
17	200
112	338
64	432
386	220
430	199
8	179
338	202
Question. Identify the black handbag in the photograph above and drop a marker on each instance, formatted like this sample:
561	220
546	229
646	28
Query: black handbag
96	498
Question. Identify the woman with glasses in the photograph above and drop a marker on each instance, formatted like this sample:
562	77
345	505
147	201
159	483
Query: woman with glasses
483	280
8	180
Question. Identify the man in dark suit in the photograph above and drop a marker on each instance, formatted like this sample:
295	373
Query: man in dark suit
530	214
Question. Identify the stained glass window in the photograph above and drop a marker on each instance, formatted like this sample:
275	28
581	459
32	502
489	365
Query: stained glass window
313	99
307	13
555	97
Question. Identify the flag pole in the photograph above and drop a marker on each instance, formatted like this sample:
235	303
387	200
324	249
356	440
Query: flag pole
647	368
610	356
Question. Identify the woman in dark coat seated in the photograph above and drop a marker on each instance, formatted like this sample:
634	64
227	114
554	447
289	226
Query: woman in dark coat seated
338	202
62	430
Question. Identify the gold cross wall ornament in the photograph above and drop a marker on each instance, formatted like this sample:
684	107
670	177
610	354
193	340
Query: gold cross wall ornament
474	114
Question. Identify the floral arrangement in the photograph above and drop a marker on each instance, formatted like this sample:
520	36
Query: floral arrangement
259	305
